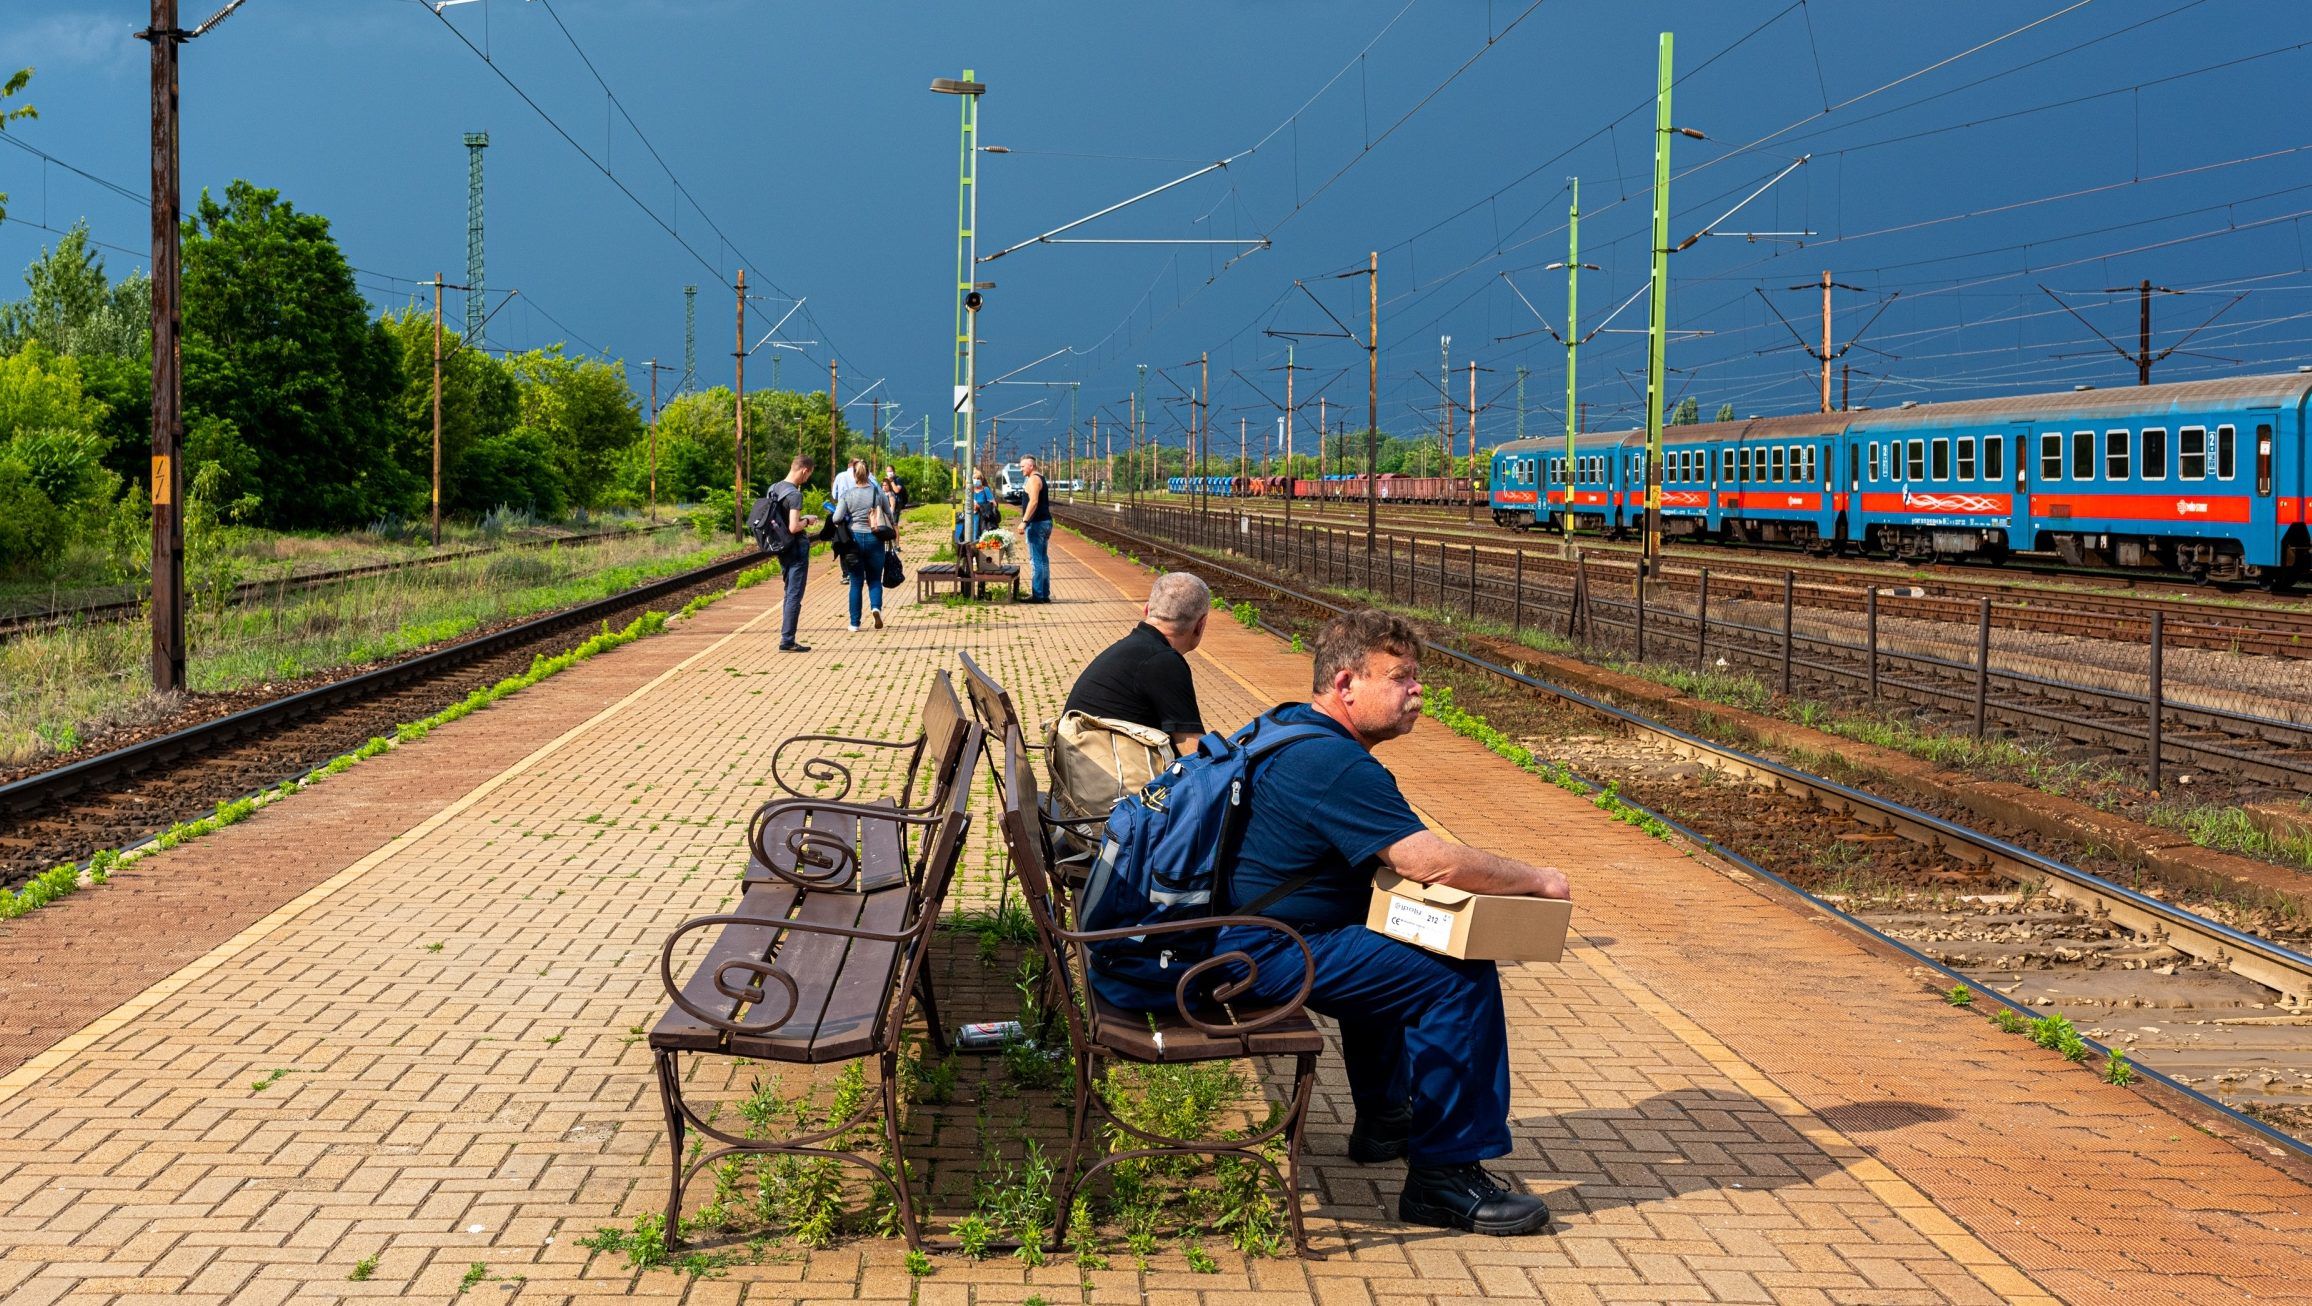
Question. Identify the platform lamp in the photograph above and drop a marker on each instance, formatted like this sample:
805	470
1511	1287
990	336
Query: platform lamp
967	300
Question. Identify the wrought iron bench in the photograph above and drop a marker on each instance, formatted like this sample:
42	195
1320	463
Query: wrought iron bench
810	970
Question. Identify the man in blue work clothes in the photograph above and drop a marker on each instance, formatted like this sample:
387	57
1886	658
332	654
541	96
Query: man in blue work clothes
1423	1035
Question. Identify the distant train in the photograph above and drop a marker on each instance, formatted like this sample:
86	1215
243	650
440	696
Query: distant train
1391	488
2207	478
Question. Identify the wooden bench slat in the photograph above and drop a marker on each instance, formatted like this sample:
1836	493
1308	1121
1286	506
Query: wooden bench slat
846	983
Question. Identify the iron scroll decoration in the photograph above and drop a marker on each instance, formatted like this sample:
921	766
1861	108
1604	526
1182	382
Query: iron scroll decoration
751	993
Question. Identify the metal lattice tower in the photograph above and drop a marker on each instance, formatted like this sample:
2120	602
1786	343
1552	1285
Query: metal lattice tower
476	142
689	340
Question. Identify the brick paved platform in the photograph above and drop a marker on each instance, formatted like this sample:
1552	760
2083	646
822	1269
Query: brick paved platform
1722	1098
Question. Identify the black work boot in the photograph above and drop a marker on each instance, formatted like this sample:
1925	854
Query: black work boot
1467	1197
1380	1136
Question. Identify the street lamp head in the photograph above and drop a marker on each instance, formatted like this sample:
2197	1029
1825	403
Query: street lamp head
971	301
956	86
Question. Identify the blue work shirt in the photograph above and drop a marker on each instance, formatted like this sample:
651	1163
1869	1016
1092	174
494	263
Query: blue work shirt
1321	807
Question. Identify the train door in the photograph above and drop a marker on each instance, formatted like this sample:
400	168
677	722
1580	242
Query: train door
2266	529
2016	449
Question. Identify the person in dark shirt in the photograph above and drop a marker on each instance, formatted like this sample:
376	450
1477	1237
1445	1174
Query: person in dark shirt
1423	1035
1143	678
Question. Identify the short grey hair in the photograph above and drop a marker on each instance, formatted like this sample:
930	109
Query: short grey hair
1178	598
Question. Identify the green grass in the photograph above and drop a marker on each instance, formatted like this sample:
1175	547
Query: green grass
60	687
2228	829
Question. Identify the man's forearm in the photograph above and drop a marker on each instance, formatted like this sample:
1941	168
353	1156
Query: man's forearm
1433	860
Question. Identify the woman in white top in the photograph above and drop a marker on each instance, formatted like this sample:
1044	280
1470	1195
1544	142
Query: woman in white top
861	506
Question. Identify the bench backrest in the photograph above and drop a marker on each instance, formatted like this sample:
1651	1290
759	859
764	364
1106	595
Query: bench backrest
990	701
944	852
1024	836
943	731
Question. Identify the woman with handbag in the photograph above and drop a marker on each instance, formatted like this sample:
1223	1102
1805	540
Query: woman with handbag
866	511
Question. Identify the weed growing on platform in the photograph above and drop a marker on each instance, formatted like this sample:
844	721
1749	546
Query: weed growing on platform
2007	1021
260	1085
2056	1033
1960	996
1154	1195
2116	1069
363	1268
921	1080
475	1273
918	1265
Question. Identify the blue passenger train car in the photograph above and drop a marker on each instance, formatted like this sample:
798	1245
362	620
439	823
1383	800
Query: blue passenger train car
2208	478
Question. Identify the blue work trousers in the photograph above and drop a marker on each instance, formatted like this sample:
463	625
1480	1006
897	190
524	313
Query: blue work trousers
867	573
1039	556
1415	1027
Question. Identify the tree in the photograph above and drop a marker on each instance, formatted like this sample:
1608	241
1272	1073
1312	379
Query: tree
1687	413
72	307
1725	413
587	413
480	402
9	90
279	342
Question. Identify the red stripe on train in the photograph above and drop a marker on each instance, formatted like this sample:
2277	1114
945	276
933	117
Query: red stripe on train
2142	507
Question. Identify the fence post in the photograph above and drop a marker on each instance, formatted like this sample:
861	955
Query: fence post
1517	599
1702	624
1389	577
1983	669
2154	692
1473	581
1580	592
1870	635
1641	591
1789	579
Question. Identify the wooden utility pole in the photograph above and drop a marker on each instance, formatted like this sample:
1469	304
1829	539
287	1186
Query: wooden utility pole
437	411
1372	403
168	651
1203	425
1472	468
834	426
739	417
1241	470
655	368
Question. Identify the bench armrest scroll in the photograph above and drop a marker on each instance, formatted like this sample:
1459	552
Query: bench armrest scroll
1235	957
819	768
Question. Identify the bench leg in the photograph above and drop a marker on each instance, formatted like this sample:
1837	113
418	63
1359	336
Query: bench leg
1070	1174
669	1097
907	1225
1303	1084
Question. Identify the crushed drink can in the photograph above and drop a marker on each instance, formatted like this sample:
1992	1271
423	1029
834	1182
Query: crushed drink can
989	1034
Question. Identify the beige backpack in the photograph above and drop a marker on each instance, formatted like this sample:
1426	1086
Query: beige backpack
1095	761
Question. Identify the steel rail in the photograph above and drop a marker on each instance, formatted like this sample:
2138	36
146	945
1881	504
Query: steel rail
44	787
2273	965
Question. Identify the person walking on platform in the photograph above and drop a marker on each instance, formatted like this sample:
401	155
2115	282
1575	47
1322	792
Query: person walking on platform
1424	1036
789	531
1036	520
865	510
896	488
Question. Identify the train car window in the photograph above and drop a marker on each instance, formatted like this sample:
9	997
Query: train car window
1918	460
1994	457
2263	458
1966	457
1942	451
2227	455
2051	456
1874	460
1774	462
1811	451
2192	453
2083	455
2151	465
2115	455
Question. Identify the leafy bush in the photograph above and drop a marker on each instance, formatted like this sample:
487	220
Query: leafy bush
517	469
31	527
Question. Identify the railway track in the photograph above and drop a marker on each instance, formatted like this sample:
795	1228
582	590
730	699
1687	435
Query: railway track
2281	971
105	611
2215	727
2269	629
117	798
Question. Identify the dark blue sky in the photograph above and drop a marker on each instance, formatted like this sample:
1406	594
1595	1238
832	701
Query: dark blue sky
813	155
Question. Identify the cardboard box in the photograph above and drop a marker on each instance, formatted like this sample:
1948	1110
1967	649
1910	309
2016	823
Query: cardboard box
1472	926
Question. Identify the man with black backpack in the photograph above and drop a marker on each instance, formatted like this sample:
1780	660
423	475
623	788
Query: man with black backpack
784	535
1424	1036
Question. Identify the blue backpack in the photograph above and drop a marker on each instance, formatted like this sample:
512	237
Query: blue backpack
1164	857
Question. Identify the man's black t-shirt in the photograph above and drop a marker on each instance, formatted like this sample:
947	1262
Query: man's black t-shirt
1140	679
